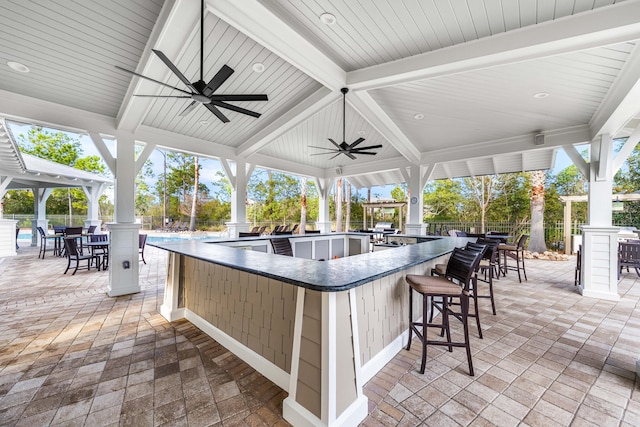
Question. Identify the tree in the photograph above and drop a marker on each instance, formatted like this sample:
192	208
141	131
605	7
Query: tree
61	147
480	192
338	204
194	199
443	199
536	241
303	204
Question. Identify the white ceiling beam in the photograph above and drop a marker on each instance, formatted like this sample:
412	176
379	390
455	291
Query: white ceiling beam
311	105
469	167
599	27
178	19
369	109
184	143
286	166
553	139
255	20
369	167
621	102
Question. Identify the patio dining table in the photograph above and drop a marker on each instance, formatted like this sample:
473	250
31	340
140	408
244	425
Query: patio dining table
100	245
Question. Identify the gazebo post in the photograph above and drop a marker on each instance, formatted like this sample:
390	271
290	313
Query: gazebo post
324	187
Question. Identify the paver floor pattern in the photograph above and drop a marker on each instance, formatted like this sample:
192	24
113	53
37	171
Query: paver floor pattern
71	355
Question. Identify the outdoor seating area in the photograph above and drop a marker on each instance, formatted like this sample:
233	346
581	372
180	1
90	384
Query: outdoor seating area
548	358
77	245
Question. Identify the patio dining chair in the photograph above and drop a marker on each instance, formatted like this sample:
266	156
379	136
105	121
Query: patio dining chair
454	284
74	254
142	242
628	256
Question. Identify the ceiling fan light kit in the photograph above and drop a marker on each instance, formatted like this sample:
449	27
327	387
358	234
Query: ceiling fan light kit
349	150
199	91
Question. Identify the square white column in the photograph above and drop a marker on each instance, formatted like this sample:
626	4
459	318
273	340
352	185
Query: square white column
123	248
599	278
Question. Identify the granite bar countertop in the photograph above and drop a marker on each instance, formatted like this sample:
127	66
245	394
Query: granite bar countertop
326	276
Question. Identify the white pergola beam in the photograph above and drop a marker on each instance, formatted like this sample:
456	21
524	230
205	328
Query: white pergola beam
626	150
621	102
617	23
287	121
253	19
369	109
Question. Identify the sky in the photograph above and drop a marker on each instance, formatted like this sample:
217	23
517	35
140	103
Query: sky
210	166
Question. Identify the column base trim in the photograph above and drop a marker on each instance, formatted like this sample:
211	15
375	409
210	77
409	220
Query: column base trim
298	415
377	362
123	291
275	374
172	315
610	296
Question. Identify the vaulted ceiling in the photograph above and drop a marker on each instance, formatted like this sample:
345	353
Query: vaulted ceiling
461	88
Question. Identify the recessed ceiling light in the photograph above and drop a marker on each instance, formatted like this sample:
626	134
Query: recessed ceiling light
361	132
328	18
258	67
16	66
540	95
418	116
204	123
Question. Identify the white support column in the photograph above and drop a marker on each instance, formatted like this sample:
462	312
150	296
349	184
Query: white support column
123	233
172	308
8	237
40	196
93	195
599	238
238	182
324	187
415	223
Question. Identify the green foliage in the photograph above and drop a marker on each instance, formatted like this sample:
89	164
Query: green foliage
443	199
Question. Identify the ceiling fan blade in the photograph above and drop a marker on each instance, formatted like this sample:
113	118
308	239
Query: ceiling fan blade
320	154
163	96
153	80
351	156
356	142
236	109
364	152
238	97
322	148
333	157
217	80
189	108
370	147
173	68
217	113
335	143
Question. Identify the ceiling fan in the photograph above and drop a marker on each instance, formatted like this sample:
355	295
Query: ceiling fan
348	150
200	92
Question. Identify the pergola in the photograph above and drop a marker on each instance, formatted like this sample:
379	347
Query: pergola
382	205
20	171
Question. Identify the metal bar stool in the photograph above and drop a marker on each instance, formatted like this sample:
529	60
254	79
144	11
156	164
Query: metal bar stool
460	268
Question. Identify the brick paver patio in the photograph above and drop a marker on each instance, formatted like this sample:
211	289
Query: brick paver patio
70	355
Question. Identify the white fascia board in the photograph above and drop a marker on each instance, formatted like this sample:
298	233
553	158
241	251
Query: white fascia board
175	24
311	105
187	144
267	162
599	27
29	110
621	102
552	139
369	109
256	21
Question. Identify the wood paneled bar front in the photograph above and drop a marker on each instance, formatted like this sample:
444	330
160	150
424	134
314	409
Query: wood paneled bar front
319	330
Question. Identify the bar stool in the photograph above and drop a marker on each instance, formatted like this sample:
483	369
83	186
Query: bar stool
515	252
460	268
441	270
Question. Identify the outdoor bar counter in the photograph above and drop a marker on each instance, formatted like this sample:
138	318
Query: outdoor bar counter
319	330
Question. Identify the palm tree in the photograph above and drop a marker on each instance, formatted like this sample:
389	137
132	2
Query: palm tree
536	242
